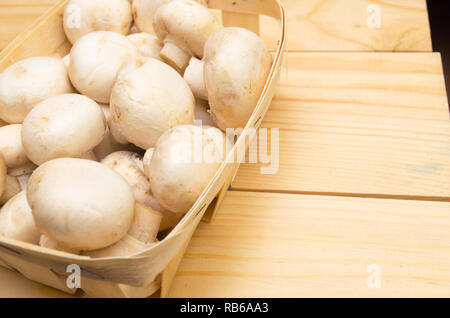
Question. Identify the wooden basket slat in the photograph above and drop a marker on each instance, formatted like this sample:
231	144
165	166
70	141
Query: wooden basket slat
260	7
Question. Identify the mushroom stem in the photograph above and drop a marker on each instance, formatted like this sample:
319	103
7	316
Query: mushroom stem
145	226
175	56
23	181
193	75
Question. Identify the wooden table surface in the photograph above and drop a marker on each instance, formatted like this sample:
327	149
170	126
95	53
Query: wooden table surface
360	204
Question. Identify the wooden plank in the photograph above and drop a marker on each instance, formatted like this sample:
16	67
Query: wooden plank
372	124
342	25
283	245
314	25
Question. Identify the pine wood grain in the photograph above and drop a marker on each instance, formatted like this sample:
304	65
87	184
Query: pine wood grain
359	124
313	25
283	245
341	25
371	124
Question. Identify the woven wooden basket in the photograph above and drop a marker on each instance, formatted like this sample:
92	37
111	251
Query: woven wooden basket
150	272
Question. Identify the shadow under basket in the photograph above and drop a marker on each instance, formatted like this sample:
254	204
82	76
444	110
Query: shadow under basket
150	272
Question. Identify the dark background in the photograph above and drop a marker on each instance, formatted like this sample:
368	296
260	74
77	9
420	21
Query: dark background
439	14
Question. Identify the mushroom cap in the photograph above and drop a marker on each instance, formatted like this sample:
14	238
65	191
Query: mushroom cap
186	23
80	203
9	185
180	169
85	16
170	219
148	100
16	220
147	44
112	141
47	242
11	146
117	136
2	175
127	246
237	64
129	166
95	60
62	126
27	83
143	11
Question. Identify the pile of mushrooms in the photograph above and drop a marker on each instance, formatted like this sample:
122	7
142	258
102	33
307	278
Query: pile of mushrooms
101	153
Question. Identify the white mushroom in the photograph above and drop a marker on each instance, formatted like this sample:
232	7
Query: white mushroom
16	220
95	60
202	115
170	219
143	11
85	16
118	137
146	222
80	203
47	242
127	246
183	163
27	83
148	100
67	125
237	64
148	45
183	26
113	140
11	187
11	146
131	167
2	175
194	77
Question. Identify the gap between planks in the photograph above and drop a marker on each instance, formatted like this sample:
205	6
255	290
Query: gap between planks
347	195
